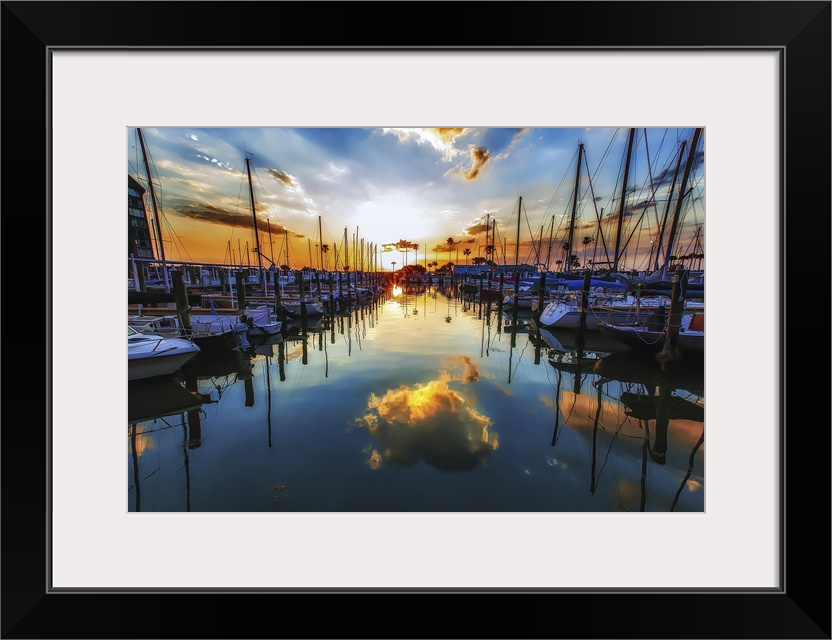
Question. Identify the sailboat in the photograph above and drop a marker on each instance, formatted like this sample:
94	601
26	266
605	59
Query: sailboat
260	320
616	297
657	281
651	338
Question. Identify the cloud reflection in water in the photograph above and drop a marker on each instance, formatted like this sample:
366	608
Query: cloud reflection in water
431	423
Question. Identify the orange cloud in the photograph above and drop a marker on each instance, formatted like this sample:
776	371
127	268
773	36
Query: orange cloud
479	158
470	370
448	134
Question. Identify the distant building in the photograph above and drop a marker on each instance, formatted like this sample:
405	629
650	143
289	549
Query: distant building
139	244
470	269
475	270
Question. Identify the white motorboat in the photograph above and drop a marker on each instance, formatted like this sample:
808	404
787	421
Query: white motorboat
293	306
261	321
209	331
149	356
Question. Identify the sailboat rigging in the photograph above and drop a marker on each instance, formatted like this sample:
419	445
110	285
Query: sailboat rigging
622	203
682	192
574	211
260	273
155	212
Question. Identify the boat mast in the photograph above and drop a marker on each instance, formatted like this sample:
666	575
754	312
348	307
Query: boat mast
697	248
538	250
260	273
346	255
517	250
574	210
321	243
669	199
623	200
688	165
155	212
271	243
549	248
494	242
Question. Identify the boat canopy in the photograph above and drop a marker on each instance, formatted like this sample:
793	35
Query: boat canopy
579	284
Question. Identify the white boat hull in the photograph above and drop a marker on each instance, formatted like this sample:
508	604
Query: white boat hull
150	356
261	321
154	367
559	315
293	307
265	328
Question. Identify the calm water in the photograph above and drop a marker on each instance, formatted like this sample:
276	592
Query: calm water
419	402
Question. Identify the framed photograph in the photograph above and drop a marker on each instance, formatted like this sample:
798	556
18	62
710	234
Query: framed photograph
82	80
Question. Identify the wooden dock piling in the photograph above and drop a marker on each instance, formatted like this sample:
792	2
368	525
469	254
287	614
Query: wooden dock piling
670	351
241	291
180	293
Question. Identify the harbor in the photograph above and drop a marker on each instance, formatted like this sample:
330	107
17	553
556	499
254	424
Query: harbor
421	400
500	369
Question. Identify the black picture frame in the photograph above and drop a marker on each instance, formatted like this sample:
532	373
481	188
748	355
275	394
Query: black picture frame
800	31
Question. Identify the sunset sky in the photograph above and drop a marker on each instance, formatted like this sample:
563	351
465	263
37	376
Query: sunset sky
394	187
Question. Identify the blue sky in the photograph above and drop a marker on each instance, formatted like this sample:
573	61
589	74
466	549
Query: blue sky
391	187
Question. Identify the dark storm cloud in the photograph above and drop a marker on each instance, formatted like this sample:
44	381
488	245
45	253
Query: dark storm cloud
480	226
479	158
641	206
698	160
282	177
665	178
212	214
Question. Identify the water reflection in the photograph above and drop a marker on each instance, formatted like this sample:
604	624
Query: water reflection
424	400
428	422
633	402
156	405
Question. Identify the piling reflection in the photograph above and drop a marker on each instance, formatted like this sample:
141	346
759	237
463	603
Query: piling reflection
156	405
651	412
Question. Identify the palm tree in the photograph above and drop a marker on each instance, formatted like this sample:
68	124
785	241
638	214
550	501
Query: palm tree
466	252
403	245
325	251
587	241
450	242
